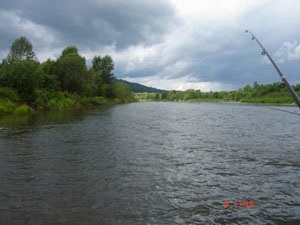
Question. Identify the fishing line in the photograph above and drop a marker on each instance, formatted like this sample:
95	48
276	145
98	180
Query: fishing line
282	110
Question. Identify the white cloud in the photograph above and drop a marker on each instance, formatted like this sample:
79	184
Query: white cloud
181	83
215	10
39	35
24	26
288	51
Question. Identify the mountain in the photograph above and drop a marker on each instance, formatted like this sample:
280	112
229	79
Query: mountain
138	88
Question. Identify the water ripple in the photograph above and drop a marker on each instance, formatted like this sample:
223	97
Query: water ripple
152	163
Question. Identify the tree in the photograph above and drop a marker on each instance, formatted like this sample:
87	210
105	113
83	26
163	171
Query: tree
18	69
189	94
96	68
107	67
71	70
47	75
122	92
21	49
96	63
69	50
103	68
21	76
255	85
49	67
90	87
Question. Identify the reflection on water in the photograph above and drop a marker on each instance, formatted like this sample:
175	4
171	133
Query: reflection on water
151	163
43	118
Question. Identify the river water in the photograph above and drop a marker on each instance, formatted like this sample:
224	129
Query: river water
152	163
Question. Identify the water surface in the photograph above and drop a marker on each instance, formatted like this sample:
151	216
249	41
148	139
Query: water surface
151	163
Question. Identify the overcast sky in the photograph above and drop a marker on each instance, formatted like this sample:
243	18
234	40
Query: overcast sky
168	44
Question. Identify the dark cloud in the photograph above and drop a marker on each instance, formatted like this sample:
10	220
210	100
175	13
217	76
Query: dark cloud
151	39
94	23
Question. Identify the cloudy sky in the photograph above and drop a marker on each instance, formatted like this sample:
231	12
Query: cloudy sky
169	44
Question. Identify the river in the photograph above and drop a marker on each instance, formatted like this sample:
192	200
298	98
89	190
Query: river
152	163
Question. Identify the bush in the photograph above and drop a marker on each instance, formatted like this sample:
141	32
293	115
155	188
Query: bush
54	104
123	93
23	110
55	100
9	93
41	98
6	106
99	100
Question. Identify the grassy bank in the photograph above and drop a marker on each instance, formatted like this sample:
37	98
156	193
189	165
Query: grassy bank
10	102
272	98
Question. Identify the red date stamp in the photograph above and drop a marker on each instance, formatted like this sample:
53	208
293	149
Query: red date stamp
239	203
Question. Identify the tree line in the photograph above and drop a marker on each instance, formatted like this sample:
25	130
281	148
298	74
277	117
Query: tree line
274	93
20	71
68	82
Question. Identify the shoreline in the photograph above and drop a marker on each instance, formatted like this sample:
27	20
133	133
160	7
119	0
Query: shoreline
220	101
20	110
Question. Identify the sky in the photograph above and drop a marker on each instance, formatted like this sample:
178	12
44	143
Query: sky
167	44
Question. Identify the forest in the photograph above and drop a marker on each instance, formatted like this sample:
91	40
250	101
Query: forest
27	85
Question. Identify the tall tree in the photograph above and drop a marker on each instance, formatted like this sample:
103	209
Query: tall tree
103	68
96	69
21	49
47	75
69	50
71	70
21	76
107	67
96	63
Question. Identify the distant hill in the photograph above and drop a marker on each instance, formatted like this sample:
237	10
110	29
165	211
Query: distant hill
138	88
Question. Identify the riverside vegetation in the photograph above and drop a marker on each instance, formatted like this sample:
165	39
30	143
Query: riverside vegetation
274	93
27	85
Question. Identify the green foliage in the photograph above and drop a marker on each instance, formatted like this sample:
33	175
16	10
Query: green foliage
96	64
23	110
21	76
48	82
46	76
63	83
90	87
46	100
149	96
71	70
122	92
258	93
6	106
107	67
49	67
69	50
98	100
21	49
104	77
9	93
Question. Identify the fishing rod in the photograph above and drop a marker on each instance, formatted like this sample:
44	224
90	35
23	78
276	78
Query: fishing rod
283	78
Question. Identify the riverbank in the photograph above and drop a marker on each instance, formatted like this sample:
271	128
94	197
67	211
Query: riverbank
10	103
211	100
259	94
